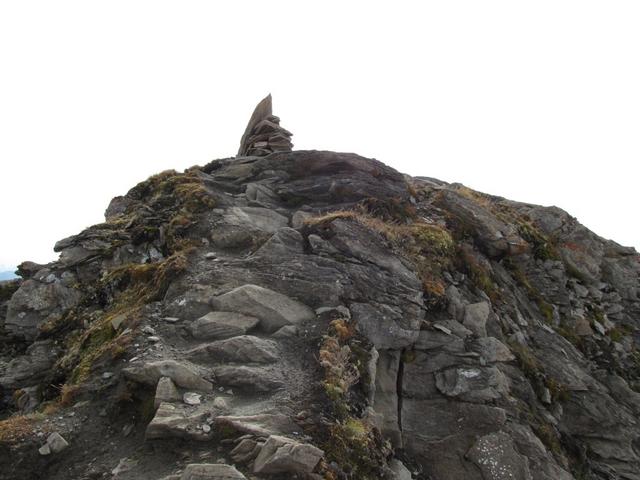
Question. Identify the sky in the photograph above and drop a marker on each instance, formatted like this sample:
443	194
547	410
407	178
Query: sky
533	101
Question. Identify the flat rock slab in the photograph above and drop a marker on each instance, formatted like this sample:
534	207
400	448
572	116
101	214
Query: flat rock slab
171	421
272	308
255	218
283	455
261	425
242	349
211	471
182	375
250	378
496	456
222	325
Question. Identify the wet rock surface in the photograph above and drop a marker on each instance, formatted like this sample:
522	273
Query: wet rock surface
319	314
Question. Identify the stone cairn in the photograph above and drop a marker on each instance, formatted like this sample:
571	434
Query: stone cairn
263	134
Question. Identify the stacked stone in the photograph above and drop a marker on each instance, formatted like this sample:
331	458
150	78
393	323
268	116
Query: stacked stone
263	134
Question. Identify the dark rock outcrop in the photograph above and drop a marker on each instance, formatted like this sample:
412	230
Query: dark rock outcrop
317	313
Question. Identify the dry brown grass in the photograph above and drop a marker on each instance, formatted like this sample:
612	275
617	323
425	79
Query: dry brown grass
18	427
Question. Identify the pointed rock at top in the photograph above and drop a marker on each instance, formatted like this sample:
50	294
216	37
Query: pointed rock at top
263	134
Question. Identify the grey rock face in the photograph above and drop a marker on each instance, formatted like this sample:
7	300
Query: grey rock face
496	456
36	302
28	369
255	218
475	318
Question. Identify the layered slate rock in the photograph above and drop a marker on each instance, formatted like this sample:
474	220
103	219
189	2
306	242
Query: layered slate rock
222	325
240	349
272	308
263	134
181	374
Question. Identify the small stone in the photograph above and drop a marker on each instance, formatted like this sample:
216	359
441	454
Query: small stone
192	398
153	339
210	256
171	319
148	330
44	450
206	428
118	320
107	375
56	442
220	403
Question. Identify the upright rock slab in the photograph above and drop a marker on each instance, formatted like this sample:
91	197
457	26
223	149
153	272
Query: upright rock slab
263	134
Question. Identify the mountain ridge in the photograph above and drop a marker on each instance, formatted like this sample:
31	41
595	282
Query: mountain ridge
321	315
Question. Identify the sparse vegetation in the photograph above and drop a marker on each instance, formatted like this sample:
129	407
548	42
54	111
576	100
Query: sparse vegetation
18	427
430	247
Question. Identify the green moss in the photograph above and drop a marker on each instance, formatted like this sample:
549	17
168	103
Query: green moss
527	361
558	391
569	333
357	448
478	274
408	356
545	308
548	436
543	247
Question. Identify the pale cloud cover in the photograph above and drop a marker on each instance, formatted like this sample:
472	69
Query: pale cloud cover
534	101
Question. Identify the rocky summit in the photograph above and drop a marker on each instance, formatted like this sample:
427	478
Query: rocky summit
317	315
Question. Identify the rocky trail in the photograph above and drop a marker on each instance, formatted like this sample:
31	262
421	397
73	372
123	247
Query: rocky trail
318	315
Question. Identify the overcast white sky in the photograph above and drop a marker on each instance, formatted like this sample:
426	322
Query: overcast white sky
534	101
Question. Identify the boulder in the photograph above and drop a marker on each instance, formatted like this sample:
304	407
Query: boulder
241	349
172	421
272	308
283	455
182	375
55	444
222	325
